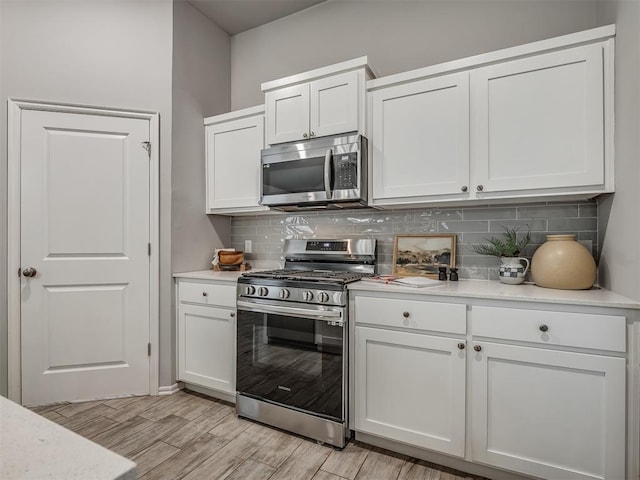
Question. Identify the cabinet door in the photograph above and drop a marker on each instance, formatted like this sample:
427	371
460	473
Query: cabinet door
206	347
233	165
334	105
287	111
546	413
410	388
538	123
420	135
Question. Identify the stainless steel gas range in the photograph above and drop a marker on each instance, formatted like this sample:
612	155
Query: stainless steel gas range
292	338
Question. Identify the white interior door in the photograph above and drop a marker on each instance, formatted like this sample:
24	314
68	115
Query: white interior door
85	231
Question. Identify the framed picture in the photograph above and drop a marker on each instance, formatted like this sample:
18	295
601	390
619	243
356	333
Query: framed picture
423	254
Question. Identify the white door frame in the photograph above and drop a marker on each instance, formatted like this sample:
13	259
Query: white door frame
15	109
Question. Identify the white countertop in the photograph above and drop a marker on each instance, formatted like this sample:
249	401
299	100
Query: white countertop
34	448
495	290
484	289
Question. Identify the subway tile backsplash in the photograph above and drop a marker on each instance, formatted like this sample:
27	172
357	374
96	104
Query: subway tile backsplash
472	225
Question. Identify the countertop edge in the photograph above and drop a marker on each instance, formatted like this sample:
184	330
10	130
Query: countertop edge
494	290
53	451
472	289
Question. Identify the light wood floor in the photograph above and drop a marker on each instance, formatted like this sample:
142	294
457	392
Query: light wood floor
189	436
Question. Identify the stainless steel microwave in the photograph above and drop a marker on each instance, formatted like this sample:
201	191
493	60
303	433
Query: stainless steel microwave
327	172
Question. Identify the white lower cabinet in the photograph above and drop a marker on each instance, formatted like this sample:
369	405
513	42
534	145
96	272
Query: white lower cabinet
548	413
410	376
411	388
544	388
543	409
207	335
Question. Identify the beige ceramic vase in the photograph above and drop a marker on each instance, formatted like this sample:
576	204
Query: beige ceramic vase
563	263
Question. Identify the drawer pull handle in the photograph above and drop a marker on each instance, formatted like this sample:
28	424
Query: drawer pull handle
405	314
204	294
543	328
461	346
477	348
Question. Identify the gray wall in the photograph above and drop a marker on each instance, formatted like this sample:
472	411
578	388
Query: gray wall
201	87
619	219
472	225
396	35
105	53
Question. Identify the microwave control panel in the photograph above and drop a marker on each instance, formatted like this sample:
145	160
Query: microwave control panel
346	171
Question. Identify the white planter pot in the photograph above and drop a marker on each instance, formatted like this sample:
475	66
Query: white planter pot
512	270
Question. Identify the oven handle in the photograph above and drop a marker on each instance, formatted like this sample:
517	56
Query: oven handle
327	173
329	315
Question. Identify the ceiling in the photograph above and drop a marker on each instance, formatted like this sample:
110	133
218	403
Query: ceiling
235	16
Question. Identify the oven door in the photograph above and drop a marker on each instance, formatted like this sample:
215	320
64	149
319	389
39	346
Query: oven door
293	356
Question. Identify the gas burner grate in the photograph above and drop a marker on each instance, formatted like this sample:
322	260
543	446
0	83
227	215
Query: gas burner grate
310	275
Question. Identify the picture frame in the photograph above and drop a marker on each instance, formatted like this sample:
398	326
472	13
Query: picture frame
422	254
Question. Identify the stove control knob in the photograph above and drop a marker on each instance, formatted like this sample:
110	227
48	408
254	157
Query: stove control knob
263	291
307	295
323	297
284	293
251	290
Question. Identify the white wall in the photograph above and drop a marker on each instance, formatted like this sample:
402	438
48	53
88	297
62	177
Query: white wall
396	35
111	53
201	88
618	214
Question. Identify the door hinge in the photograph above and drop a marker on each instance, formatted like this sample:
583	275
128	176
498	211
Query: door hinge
147	147
148	349
148	249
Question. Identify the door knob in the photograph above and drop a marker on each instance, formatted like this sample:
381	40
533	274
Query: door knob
29	272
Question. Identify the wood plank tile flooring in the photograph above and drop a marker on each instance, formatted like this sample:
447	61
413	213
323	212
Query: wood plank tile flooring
189	436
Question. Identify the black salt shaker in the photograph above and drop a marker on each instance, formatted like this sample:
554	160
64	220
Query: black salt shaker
453	275
442	273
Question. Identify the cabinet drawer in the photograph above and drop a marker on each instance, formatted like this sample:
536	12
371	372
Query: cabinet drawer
605	332
413	314
207	294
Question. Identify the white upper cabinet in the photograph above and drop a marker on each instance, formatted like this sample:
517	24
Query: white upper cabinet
538	123
322	102
420	137
288	114
528	122
233	144
334	105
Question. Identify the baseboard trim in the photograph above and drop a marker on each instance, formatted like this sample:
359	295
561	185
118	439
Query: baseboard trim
171	389
459	464
225	396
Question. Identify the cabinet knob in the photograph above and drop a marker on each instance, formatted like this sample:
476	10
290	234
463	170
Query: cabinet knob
464	188
543	328
204	294
477	348
461	346
305	135
232	314
312	134
480	188
405	314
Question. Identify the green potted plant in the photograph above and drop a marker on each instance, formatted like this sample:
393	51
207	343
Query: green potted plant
508	247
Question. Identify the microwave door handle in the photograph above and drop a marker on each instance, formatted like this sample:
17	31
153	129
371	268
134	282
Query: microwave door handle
327	173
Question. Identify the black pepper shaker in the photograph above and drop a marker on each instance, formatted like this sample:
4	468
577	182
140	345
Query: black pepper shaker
453	275
442	273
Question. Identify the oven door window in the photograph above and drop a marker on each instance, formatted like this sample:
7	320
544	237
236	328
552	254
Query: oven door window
293	176
292	361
